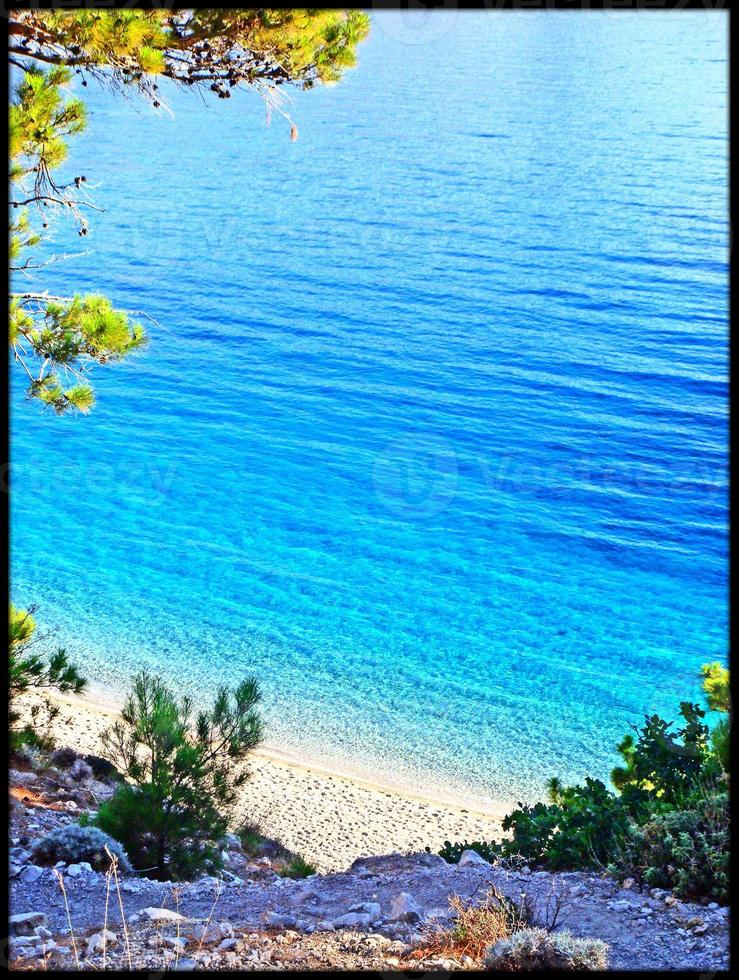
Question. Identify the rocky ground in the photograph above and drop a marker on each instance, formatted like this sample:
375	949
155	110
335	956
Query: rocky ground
377	914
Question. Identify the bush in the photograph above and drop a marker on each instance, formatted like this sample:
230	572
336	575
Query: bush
476	927
73	844
297	867
685	850
667	824
103	770
537	949
452	852
27	737
184	772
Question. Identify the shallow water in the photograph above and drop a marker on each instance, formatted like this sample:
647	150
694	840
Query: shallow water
431	435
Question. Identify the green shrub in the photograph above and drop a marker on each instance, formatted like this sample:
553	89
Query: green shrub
537	949
184	773
667	824
684	850
297	867
28	737
74	843
452	852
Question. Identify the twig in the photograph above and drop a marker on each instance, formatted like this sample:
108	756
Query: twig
69	917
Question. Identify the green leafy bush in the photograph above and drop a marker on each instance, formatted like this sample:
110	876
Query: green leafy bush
667	822
452	852
297	867
684	850
74	843
537	949
184	774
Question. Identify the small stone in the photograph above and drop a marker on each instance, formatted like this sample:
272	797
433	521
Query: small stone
74	870
25	923
274	920
42	932
404	907
31	873
185	965
100	941
227	944
161	915
352	920
325	925
371	908
700	930
628	884
470	857
207	933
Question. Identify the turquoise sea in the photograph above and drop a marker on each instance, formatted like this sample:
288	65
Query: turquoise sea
431	434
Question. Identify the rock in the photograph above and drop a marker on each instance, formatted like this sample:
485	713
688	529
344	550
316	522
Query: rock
100	941
352	920
175	942
371	908
74	870
670	900
31	873
185	965
404	908
274	920
19	855
25	923
162	915
700	930
325	925
42	932
627	884
226	945
470	857
621	906
233	842
207	932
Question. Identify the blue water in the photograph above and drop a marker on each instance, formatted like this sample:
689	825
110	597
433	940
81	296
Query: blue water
431	435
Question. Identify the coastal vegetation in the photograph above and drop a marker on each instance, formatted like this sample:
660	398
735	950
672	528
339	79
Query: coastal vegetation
183	774
666	822
27	669
56	340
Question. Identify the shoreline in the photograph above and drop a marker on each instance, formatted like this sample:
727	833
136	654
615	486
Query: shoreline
329	815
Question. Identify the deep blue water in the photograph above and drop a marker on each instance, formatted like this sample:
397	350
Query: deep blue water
432	433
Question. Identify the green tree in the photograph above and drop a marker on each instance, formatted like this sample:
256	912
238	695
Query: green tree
184	773
57	339
28	668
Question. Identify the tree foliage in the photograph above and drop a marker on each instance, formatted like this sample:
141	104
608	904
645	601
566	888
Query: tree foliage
185	772
28	668
57	339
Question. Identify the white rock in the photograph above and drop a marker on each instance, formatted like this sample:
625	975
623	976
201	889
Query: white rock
74	870
162	915
404	907
352	919
471	857
100	941
25	923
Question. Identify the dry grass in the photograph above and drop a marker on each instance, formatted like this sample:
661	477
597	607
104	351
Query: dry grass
476	927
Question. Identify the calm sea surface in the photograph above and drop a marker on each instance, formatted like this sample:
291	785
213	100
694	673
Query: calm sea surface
431	435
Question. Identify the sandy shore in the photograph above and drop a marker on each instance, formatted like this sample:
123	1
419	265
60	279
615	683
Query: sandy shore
330	818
